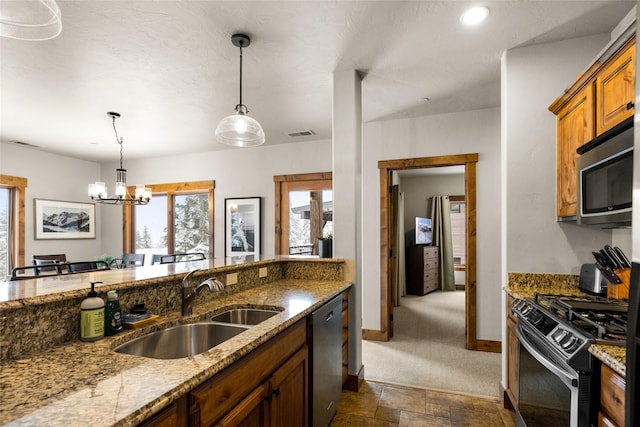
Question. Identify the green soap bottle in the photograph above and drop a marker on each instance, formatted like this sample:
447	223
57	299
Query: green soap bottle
113	314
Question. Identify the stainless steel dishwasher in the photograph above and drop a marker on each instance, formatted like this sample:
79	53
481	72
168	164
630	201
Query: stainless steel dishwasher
325	331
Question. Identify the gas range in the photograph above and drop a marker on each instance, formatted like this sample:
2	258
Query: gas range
570	324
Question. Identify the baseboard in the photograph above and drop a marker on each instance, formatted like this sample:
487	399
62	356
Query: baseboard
354	382
374	335
489	346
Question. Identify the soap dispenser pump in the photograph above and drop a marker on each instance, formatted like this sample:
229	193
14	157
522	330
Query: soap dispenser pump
92	316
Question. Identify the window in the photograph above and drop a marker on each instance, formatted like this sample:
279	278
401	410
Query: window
178	219
12	190
304	212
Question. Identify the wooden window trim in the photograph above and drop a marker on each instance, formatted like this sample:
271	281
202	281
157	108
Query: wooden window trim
18	185
169	190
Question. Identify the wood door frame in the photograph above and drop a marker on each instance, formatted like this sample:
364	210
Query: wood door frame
386	307
285	183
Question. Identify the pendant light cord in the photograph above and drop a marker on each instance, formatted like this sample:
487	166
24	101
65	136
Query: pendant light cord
118	139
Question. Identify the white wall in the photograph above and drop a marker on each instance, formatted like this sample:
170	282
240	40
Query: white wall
237	173
246	172
459	133
532	78
53	177
417	190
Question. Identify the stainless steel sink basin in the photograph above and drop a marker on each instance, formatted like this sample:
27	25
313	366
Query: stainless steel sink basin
181	341
244	316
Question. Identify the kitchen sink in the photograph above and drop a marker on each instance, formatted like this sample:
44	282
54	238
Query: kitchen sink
181	341
244	316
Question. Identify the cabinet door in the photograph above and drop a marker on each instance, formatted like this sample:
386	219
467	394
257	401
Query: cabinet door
612	395
175	415
615	90
252	411
289	392
512	360
574	128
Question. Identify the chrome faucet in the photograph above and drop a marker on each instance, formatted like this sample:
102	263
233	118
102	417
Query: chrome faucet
189	292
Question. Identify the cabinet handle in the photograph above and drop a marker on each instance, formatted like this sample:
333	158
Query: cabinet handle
630	105
276	392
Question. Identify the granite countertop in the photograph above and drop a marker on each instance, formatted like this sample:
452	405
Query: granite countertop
88	383
524	285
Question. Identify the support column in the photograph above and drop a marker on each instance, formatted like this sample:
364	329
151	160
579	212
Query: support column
347	198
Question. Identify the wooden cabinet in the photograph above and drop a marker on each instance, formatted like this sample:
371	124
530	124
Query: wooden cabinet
574	128
612	391
599	99
423	266
174	415
254	389
615	89
511	390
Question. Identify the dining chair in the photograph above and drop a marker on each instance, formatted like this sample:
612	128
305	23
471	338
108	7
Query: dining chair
48	260
132	260
77	267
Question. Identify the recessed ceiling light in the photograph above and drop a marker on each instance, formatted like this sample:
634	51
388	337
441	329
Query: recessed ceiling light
474	15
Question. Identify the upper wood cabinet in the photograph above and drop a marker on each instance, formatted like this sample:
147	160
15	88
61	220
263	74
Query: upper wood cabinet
599	99
615	89
574	128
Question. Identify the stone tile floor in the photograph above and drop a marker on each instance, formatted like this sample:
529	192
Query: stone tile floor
387	405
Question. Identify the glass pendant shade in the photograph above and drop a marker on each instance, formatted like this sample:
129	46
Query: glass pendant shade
30	19
240	130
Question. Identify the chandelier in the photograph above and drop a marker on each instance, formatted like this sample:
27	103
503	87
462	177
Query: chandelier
240	130
98	190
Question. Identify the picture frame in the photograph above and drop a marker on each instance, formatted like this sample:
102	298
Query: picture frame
242	231
60	220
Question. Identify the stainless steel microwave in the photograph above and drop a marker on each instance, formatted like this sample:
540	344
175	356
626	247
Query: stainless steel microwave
605	178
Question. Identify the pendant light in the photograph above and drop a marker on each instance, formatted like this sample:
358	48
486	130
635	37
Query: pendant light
98	190
240	130
33	20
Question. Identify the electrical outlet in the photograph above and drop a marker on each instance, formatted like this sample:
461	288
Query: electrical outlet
232	278
262	272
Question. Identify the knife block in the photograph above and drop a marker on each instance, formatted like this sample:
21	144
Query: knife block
620	291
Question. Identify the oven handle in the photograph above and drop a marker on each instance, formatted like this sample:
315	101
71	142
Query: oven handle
565	376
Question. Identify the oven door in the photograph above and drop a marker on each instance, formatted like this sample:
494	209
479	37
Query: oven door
548	386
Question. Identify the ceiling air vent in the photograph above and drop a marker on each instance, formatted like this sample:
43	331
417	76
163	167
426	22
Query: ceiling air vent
303	133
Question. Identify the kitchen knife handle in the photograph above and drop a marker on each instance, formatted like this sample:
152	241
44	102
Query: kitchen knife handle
611	262
619	263
608	273
623	257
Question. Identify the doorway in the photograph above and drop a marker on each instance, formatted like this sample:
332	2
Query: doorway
387	266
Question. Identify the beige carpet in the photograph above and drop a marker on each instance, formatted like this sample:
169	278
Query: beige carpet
428	349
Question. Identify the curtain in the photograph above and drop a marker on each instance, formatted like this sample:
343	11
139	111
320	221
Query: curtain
440	214
398	283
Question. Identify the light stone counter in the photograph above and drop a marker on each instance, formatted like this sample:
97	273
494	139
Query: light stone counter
87	383
524	285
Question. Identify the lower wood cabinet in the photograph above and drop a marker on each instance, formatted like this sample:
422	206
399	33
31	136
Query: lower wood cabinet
174	415
612	391
511	389
267	387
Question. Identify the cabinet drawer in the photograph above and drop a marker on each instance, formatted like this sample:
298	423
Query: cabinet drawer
430	252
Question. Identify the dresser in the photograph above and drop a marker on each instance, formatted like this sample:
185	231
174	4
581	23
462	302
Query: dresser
423	265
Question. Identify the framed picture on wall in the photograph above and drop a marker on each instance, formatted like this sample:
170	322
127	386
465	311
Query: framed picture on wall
242	217
56	220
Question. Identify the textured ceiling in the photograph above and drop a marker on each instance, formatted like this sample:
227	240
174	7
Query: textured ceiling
169	68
